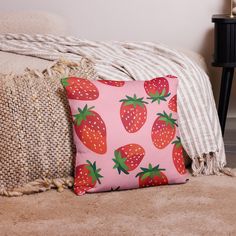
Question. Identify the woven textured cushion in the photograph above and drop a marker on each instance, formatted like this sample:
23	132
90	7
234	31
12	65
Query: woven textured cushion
35	134
126	133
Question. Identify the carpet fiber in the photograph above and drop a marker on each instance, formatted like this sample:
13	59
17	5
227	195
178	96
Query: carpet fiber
203	206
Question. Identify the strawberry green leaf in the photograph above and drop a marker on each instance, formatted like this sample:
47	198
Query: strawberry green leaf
177	142
133	101
143	169
115	189
145	175
65	82
120	163
168	119
83	114
150	172
150	166
158	96
94	172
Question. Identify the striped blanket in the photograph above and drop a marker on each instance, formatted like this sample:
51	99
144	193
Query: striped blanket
198	121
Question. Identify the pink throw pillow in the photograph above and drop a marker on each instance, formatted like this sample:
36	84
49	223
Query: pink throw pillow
126	133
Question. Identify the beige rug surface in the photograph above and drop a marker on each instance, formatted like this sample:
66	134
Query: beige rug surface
203	206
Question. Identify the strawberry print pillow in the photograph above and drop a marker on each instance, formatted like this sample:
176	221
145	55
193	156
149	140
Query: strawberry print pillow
126	133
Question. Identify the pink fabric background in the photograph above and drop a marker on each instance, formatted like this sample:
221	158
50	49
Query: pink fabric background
108	107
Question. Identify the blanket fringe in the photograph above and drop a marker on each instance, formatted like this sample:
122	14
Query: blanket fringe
207	164
39	185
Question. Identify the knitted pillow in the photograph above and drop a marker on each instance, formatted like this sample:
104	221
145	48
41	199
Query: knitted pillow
36	145
126	133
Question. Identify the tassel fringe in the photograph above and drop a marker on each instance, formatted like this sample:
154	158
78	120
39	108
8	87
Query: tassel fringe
40	185
207	164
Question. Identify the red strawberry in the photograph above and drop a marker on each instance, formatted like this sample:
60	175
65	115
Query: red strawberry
128	157
80	89
86	177
157	89
163	130
91	129
151	176
173	103
133	113
113	83
178	156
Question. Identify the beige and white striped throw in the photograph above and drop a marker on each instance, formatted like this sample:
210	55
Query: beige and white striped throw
198	121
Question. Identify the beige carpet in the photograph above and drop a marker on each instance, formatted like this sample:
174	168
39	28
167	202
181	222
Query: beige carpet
203	206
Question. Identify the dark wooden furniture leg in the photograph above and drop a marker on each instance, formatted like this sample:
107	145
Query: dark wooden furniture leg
225	89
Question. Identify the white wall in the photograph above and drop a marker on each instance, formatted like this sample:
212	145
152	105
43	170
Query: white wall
180	23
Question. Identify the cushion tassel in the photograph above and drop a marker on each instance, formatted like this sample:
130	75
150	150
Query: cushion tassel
39	185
